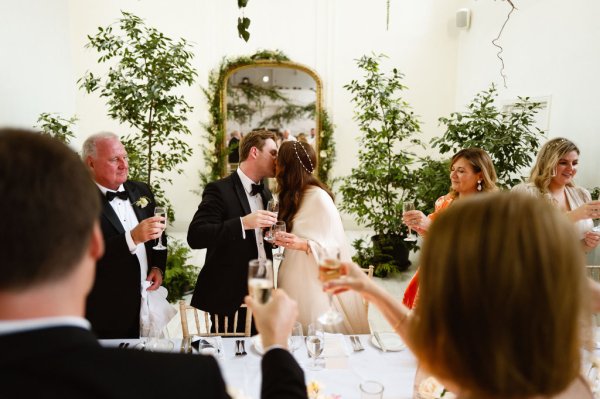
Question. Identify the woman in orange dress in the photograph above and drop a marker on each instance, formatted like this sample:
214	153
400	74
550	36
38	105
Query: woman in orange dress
471	171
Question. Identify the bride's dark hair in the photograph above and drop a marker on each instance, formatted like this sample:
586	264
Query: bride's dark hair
296	162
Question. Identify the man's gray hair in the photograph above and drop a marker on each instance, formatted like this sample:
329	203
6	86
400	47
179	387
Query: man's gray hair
89	145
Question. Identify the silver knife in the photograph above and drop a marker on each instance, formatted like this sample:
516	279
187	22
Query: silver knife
379	341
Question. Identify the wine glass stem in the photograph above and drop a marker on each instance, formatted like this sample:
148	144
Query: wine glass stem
330	295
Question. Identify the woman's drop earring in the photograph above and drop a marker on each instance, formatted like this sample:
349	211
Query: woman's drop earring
479	185
554	171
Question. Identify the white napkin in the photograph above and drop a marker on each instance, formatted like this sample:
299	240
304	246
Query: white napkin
155	310
335	351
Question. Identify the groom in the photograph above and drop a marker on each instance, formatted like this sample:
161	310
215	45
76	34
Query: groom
229	223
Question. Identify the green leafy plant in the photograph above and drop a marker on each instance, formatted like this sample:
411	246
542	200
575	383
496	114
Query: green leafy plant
146	68
180	277
432	181
375	190
243	22
55	126
509	137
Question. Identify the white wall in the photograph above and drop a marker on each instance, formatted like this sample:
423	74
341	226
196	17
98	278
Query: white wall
550	49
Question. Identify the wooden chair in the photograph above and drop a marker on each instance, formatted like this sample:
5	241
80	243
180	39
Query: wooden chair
203	321
593	272
369	272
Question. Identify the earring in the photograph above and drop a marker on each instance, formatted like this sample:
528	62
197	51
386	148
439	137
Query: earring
479	185
554	172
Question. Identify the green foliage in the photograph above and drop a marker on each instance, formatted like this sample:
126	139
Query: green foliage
375	190
432	181
146	69
214	150
595	192
243	22
368	254
510	138
326	149
180	277
55	126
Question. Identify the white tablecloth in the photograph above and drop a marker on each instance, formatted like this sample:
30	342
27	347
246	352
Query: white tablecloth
395	370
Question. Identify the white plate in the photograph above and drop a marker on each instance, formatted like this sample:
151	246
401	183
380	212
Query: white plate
391	341
258	346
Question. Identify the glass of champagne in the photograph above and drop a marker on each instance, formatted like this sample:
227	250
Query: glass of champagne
160	211
409	206
272	206
260	279
329	269
278	227
315	341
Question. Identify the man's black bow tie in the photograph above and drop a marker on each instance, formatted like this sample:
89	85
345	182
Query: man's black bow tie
110	195
257	189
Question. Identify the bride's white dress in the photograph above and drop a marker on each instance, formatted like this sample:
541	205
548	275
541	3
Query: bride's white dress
318	221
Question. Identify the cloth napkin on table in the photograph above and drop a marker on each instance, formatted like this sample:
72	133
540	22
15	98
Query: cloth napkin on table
335	351
155	310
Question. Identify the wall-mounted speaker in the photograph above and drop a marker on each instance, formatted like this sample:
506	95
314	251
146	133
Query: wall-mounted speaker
463	18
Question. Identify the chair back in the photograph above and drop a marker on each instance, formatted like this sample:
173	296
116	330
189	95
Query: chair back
203	321
369	272
593	272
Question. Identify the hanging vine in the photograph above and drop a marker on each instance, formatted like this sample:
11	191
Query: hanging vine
214	150
500	49
243	22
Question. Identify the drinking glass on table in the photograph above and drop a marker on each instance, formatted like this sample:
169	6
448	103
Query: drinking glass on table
329	269
260	279
315	341
297	336
152	339
160	211
278	227
409	206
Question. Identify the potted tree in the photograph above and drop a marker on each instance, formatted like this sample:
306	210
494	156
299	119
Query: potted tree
375	190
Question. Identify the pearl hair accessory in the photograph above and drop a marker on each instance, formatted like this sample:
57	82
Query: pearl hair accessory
312	168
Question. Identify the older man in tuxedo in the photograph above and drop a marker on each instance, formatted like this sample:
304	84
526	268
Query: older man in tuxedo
47	348
130	231
229	223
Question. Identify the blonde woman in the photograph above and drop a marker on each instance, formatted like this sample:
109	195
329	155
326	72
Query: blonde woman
552	178
504	315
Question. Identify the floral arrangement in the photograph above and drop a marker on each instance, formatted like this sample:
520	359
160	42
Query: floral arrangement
314	390
142	202
430	388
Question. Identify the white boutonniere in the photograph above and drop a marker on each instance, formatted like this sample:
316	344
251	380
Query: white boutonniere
142	202
430	388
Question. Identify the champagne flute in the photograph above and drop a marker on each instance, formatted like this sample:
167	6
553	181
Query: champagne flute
409	206
260	279
272	206
160	211
278	227
329	269
315	341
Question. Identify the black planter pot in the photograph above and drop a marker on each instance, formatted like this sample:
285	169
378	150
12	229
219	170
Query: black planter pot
390	249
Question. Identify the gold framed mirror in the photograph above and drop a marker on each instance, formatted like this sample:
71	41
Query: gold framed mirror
272	95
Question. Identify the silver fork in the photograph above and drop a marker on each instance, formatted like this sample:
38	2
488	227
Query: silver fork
357	344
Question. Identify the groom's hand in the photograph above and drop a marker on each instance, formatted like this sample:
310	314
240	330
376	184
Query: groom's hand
259	219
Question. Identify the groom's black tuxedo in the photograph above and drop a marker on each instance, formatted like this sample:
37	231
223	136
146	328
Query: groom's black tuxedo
216	226
68	362
113	306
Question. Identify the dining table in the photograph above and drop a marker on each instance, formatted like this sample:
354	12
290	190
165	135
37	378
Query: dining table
344	370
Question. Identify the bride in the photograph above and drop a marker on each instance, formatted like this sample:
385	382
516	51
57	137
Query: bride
306	206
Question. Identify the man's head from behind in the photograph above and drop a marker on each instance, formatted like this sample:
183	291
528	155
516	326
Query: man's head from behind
50	208
106	157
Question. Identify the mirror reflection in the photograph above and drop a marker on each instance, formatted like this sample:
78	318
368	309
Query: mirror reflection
284	99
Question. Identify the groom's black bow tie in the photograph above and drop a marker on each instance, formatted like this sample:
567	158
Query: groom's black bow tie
110	195
257	189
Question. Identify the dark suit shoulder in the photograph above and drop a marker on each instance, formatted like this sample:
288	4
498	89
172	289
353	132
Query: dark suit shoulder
282	376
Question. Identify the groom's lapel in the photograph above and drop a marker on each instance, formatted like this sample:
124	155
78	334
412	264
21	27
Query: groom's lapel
241	193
